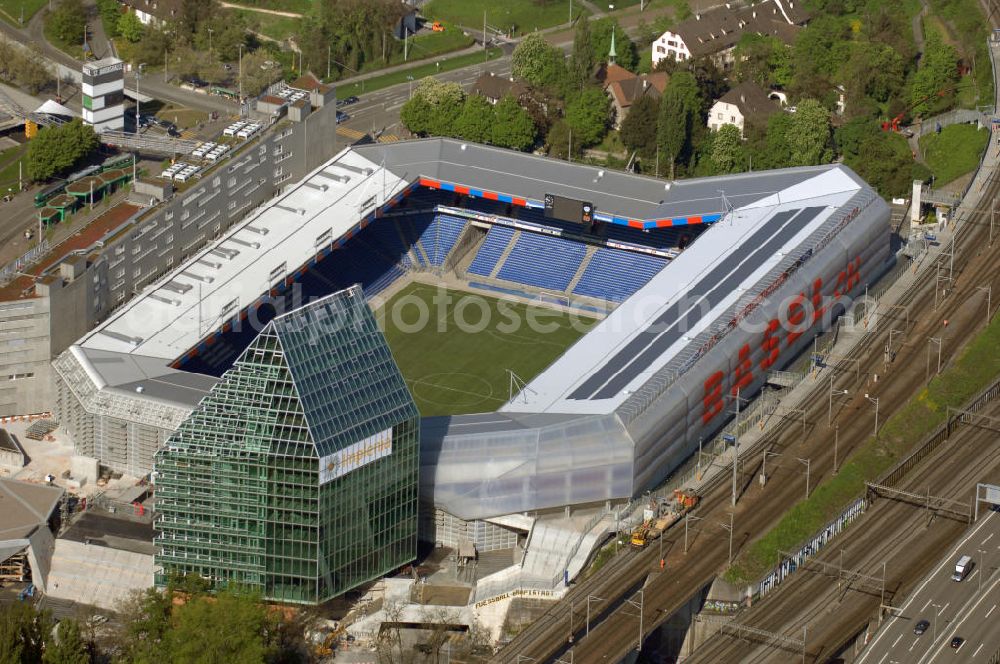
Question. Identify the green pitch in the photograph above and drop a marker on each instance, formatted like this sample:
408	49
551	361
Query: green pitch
454	347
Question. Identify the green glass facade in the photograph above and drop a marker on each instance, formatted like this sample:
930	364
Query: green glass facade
298	474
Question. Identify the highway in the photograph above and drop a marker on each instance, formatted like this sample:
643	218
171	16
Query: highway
909	540
614	630
961	609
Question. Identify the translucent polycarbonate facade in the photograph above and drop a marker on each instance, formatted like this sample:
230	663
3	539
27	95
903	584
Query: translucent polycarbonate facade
479	466
297	474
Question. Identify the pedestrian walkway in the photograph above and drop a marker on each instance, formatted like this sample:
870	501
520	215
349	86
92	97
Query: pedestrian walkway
352	134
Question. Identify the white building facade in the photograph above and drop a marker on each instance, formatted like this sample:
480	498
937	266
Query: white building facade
104	94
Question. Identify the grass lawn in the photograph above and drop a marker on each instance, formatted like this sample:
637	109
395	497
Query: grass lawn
976	367
461	367
8	166
524	15
297	6
184	118
269	25
386	80
10	10
428	45
954	152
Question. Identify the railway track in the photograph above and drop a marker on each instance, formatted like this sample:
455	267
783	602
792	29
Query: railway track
614	624
904	536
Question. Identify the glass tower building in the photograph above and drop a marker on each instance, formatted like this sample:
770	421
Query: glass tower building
297	475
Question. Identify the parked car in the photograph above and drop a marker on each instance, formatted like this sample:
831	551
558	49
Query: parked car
921	627
957	642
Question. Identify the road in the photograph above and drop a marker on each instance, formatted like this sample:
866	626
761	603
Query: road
759	509
954	609
903	536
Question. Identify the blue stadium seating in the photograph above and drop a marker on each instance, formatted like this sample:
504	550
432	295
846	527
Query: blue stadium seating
439	237
356	262
489	253
543	261
613	274
382	234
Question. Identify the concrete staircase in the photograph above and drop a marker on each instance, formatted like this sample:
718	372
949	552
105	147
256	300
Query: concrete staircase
505	254
591	250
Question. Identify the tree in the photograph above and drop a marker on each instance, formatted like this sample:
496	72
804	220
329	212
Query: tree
773	150
257	74
512	127
875	71
936	76
727	150
763	59
153	47
69	647
538	62
417	115
56	149
881	158
559	142
130	27
809	134
68	21
627	54
638	129
232	629
434	108
22	633
588	116
193	13
681	119
819	53
143	626
581	64
477	120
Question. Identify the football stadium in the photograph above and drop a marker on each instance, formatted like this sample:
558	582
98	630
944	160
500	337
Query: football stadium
528	334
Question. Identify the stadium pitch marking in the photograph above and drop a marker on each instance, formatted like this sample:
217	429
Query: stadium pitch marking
445	385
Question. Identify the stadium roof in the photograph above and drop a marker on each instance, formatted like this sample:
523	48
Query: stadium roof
650	328
617	196
172	316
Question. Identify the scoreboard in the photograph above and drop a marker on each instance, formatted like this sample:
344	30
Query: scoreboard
568	209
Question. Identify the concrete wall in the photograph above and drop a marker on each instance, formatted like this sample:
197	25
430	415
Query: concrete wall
25	374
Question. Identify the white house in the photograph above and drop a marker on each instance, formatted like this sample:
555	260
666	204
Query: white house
716	32
745	102
154	12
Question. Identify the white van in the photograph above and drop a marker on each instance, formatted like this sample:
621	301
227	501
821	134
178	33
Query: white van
962	568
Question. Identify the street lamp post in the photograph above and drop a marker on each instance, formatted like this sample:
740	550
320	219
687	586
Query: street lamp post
829	415
687	517
874	400
836	441
989	296
763	466
930	340
239	78
210	41
807	463
730	529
